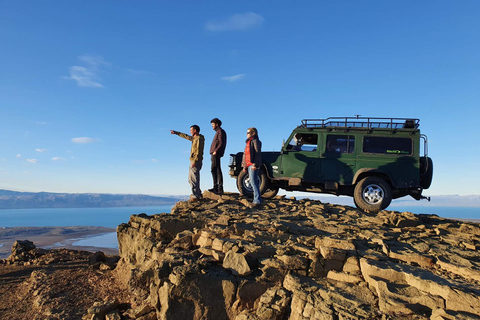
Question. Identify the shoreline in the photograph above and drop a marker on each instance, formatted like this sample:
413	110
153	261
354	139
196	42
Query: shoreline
53	238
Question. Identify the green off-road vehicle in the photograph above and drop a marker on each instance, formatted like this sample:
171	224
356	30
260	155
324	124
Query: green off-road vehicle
373	160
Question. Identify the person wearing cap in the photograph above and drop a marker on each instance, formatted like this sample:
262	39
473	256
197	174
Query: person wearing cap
196	158
252	162
217	150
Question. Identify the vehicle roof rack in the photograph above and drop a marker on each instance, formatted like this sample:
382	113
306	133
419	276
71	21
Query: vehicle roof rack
362	123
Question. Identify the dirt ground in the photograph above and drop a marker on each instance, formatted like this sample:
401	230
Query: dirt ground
60	284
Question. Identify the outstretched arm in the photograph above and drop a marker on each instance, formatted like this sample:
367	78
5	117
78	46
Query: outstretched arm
182	135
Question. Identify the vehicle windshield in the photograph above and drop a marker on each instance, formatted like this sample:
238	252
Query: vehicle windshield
303	142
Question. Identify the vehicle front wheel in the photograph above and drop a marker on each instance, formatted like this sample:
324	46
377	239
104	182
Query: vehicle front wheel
245	187
372	194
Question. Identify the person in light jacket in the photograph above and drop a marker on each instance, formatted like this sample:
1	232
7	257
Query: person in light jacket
252	162
196	158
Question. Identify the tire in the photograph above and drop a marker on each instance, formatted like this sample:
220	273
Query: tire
244	186
426	172
372	194
270	192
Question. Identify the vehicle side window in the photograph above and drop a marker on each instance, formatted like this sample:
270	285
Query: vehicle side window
303	142
387	145
340	143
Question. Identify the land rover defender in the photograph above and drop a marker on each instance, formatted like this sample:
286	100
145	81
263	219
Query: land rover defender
373	160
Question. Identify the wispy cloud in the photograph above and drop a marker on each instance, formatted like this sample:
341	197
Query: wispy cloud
41	150
58	158
155	160
19	155
139	72
234	78
84	140
94	62
32	160
237	22
41	123
84	77
87	75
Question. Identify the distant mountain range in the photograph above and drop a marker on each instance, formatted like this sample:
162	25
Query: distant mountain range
25	200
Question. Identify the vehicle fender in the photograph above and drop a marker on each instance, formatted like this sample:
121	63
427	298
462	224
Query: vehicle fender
268	170
362	173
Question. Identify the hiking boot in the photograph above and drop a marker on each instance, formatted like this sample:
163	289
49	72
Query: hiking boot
213	190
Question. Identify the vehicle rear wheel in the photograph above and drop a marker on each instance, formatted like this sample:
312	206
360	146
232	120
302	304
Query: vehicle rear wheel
245	187
372	194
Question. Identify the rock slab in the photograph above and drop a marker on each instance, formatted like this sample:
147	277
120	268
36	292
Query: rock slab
298	259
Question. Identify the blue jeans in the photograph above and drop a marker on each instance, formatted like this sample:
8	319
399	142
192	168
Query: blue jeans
255	182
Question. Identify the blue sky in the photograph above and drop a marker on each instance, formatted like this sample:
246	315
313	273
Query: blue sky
90	89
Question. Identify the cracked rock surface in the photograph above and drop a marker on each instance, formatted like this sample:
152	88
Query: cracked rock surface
298	259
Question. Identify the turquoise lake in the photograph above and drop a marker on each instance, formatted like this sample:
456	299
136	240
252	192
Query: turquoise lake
112	217
64	217
445	212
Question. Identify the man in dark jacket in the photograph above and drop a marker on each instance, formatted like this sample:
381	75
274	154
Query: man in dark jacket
217	150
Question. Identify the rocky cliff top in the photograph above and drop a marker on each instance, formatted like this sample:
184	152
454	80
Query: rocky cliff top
299	259
288	259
